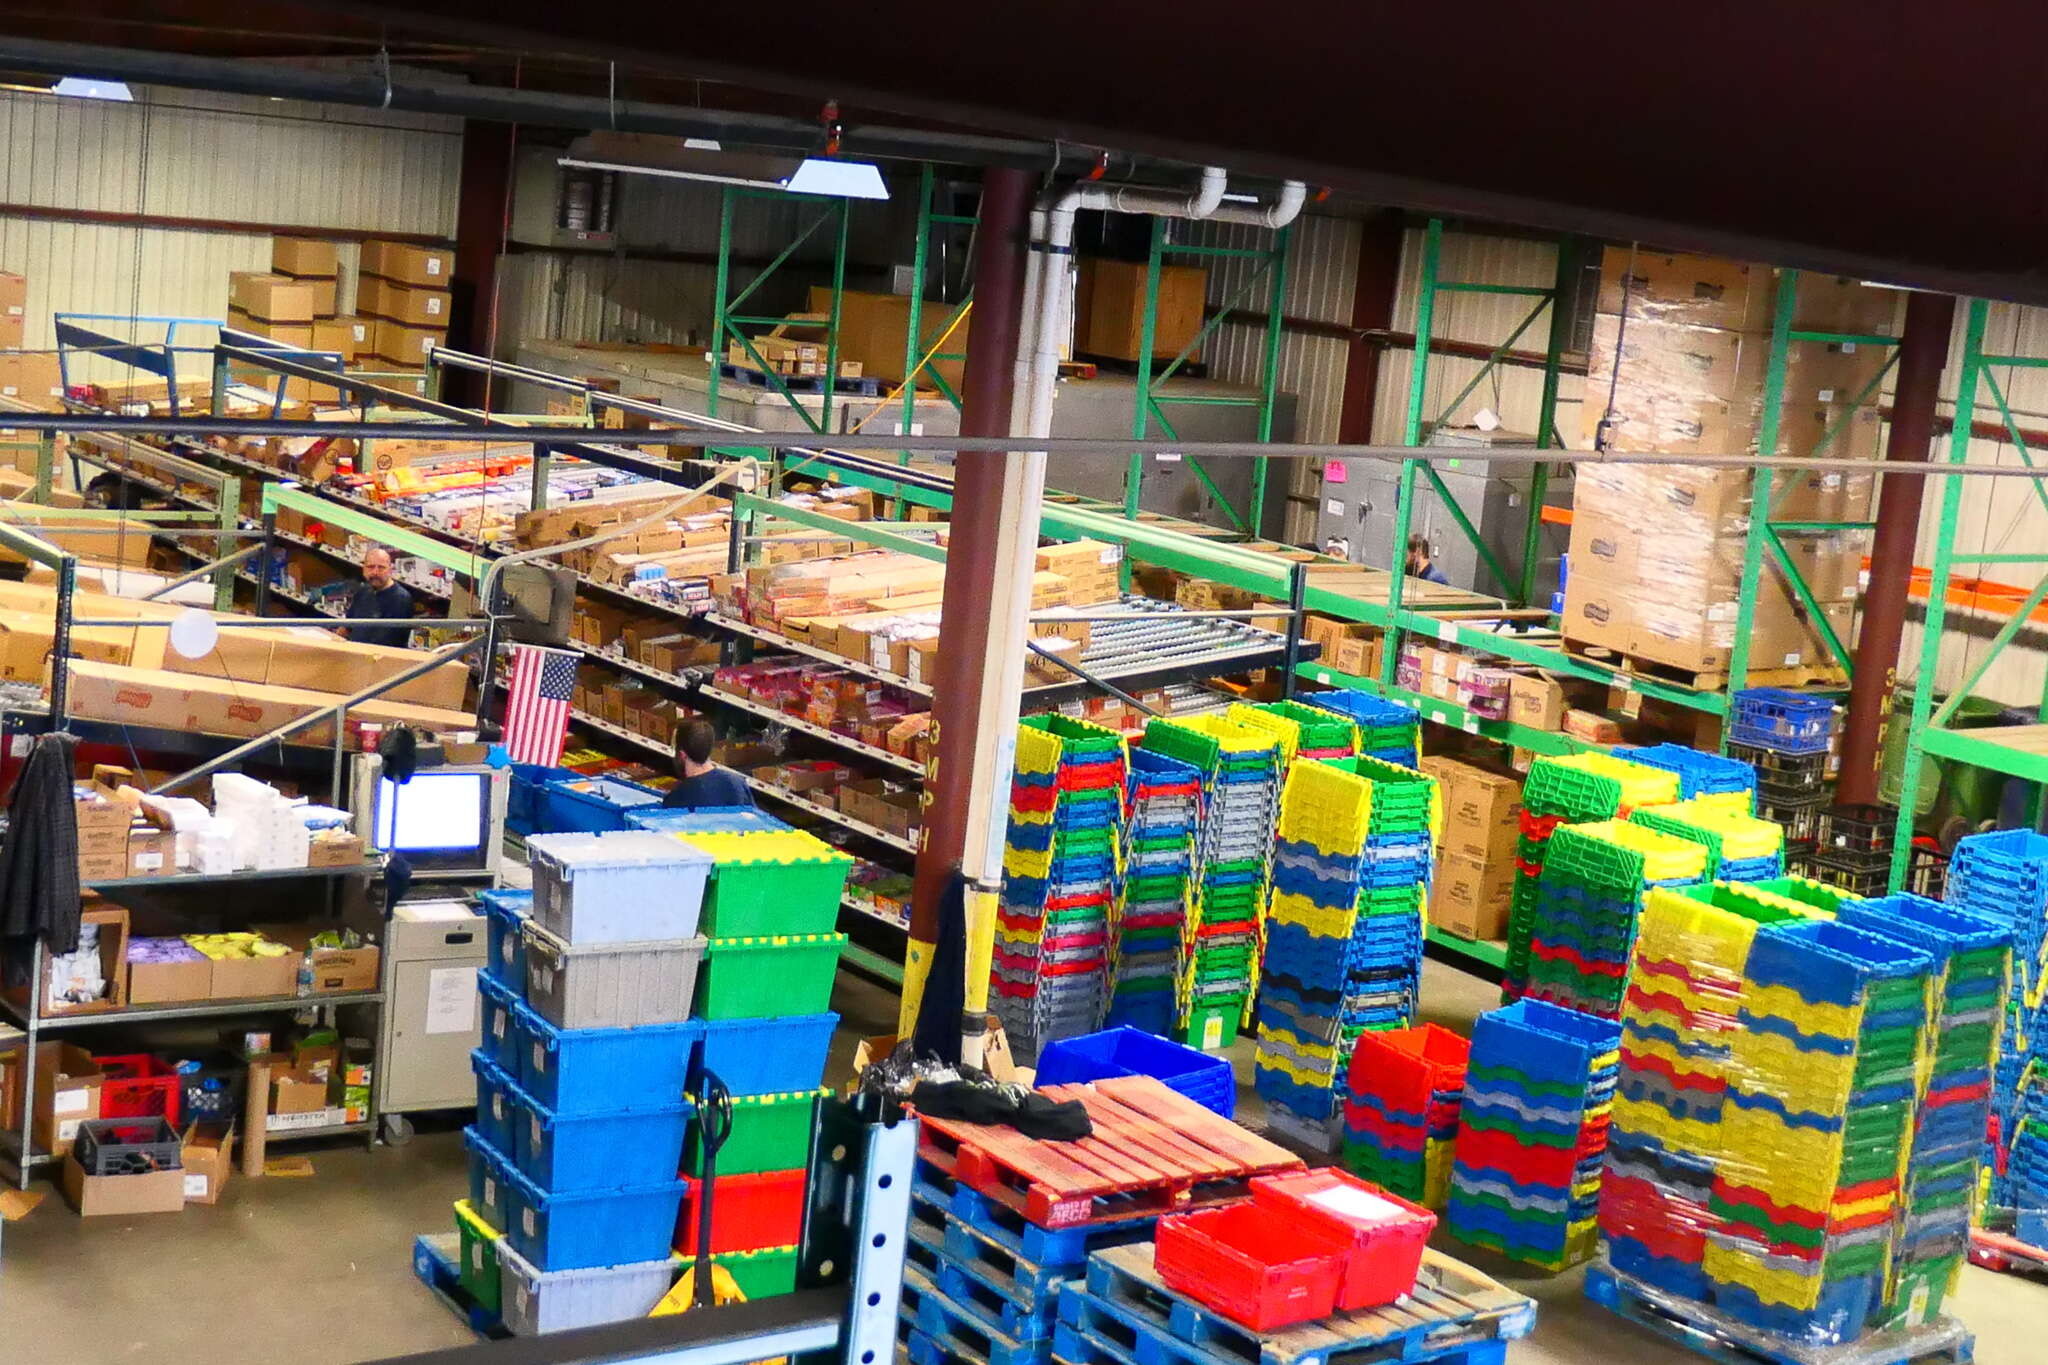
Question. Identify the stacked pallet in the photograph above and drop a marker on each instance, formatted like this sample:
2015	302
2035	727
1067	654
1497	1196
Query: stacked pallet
1403	1091
1050	971
1240	770
1582	922
1154	880
1577	788
1740	847
1532	1133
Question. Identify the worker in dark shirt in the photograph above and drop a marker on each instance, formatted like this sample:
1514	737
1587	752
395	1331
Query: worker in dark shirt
378	598
1419	563
699	781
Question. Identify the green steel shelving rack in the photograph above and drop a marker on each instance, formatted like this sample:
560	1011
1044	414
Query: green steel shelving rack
932	226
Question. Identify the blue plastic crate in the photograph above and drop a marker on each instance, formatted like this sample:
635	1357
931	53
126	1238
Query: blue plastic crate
493	1100
565	1153
1782	721
2004	873
1698	774
1132	1052
585	1229
768	1056
592	805
1829	963
505	913
503	1017
1544	1042
524	812
706	820
598	1070
490	1168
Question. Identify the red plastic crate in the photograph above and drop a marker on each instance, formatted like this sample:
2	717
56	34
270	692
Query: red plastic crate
138	1086
748	1212
1252	1263
1406	1066
1384	1233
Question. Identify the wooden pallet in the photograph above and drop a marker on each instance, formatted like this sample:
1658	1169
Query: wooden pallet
1803	675
1152	1151
1718	1337
800	383
1129	1316
1063	1250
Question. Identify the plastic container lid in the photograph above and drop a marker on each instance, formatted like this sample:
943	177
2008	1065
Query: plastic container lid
617	848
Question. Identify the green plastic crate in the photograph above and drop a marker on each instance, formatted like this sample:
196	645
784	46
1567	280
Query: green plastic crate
760	1274
769	1133
759	978
1212	1024
479	1270
752	896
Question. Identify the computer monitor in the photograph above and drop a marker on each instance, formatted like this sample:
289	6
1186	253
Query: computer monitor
445	820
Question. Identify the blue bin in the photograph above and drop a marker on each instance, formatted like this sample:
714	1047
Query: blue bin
524	807
503	1016
494	1107
596	805
602	1070
560	1230
489	1171
706	820
768	1056
505	912
565	1153
1133	1052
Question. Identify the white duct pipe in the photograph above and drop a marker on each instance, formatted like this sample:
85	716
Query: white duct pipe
1278	214
1027	330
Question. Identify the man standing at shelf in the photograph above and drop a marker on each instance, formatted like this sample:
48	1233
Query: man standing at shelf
699	781
379	598
1420	565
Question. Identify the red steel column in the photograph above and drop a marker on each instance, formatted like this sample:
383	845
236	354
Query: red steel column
482	206
1372	310
1923	352
1001	246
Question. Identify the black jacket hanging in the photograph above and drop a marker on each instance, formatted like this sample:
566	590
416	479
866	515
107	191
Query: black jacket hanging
39	861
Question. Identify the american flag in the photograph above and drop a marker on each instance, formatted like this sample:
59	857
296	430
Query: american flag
537	712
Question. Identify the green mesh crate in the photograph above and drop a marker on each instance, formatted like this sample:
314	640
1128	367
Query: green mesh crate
1320	729
759	978
1559	789
1076	737
759	1274
1390	900
769	1133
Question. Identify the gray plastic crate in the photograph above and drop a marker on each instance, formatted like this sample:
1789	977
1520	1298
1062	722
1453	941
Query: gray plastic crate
610	985
536	1301
631	886
131	1146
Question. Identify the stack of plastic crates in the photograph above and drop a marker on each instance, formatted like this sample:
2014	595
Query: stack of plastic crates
1050	972
1387	730
1583	919
1532	1133
1853	847
1973	974
1678	1026
1740	847
1240	770
2004	876
769	910
1699	774
1403	1090
582	1104
1785	736
1571	789
1163	804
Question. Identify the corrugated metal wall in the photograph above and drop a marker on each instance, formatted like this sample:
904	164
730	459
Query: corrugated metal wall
190	155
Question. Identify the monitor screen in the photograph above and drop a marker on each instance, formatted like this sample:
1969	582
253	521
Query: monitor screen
445	813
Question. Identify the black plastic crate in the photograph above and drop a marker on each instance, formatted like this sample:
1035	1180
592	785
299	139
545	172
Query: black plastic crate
1791	773
1927	870
211	1087
126	1146
1801	820
1859	829
1852	873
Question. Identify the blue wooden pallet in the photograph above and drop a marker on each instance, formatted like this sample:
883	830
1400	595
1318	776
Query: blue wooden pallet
964	1335
436	1264
1452	1314
1030	1286
976	1295
1052	1249
1718	1337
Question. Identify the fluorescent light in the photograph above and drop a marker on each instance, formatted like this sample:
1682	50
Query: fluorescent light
86	89
841	179
703	144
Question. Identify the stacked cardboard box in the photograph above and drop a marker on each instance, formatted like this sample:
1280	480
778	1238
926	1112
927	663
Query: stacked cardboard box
1475	867
403	289
1680	346
27	378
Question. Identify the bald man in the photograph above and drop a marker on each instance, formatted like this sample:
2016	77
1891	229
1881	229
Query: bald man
379	598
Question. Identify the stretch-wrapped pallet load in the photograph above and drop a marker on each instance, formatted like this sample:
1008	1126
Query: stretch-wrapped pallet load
2004	876
1576	788
1386	729
1240	770
1740	846
1155	877
1532	1133
1403	1089
1583	921
1050	970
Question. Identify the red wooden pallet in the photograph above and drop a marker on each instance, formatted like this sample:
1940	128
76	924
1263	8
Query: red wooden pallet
1153	1151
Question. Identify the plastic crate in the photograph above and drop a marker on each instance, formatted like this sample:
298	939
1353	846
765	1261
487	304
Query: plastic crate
1782	720
761	1274
1386	1234
533	1301
769	1056
752	978
478	1271
768	884
591	805
1859	829
1252	1263
631	886
210	1088
748	1212
769	1133
506	912
595	1071
704	820
126	1146
139	1086
610	985
1212	1024
584	1229
494	1108
489	1168
566	1153
501	1015
1133	1052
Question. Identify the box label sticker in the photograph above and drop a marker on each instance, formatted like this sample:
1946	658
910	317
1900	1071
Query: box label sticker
1333	506
68	1101
433	265
1167	456
195	1186
68	1129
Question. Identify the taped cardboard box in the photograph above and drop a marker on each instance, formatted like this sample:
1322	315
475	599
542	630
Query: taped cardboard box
416	306
1470	897
97	1196
67	1093
407	263
179	701
1707	291
272	298
208	1153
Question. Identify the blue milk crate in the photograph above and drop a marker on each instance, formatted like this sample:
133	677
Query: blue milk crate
593	805
1782	721
561	1230
503	1015
768	1056
705	820
489	1170
567	1153
1132	1052
599	1070
494	1108
505	913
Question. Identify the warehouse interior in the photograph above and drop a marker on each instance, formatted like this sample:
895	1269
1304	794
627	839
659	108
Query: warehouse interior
589	620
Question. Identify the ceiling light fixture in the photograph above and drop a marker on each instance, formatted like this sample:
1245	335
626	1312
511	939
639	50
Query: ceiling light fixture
85	88
707	160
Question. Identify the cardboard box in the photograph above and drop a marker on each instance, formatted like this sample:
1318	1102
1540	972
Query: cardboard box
1536	700
304	256
208	1153
151	852
67	1093
214	707
1470	898
112	922
872	328
407	345
297	1091
1597	611
34	378
320	661
1482	813
253	978
164	983
13	309
272	298
408	264
96	1196
332	849
337	335
1109	309
1708	292
1591	727
409	304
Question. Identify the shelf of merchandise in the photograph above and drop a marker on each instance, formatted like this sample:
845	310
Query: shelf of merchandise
196	1009
780	641
1448	713
268	874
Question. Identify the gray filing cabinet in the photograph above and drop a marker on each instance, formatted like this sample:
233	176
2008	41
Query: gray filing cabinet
430	1019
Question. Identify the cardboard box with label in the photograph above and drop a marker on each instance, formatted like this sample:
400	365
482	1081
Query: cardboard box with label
1482	813
407	263
110	927
304	257
1470	898
208	1153
67	1093
97	1196
272	298
409	304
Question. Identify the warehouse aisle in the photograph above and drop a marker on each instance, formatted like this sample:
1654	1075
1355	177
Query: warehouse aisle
316	1271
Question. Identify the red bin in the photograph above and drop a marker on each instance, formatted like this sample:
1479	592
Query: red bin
1383	1234
748	1212
1252	1263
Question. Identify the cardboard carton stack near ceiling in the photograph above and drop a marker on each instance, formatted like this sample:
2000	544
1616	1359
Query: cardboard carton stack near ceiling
1683	343
403	290
35	378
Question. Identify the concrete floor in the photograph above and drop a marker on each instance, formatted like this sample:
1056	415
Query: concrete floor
317	1271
